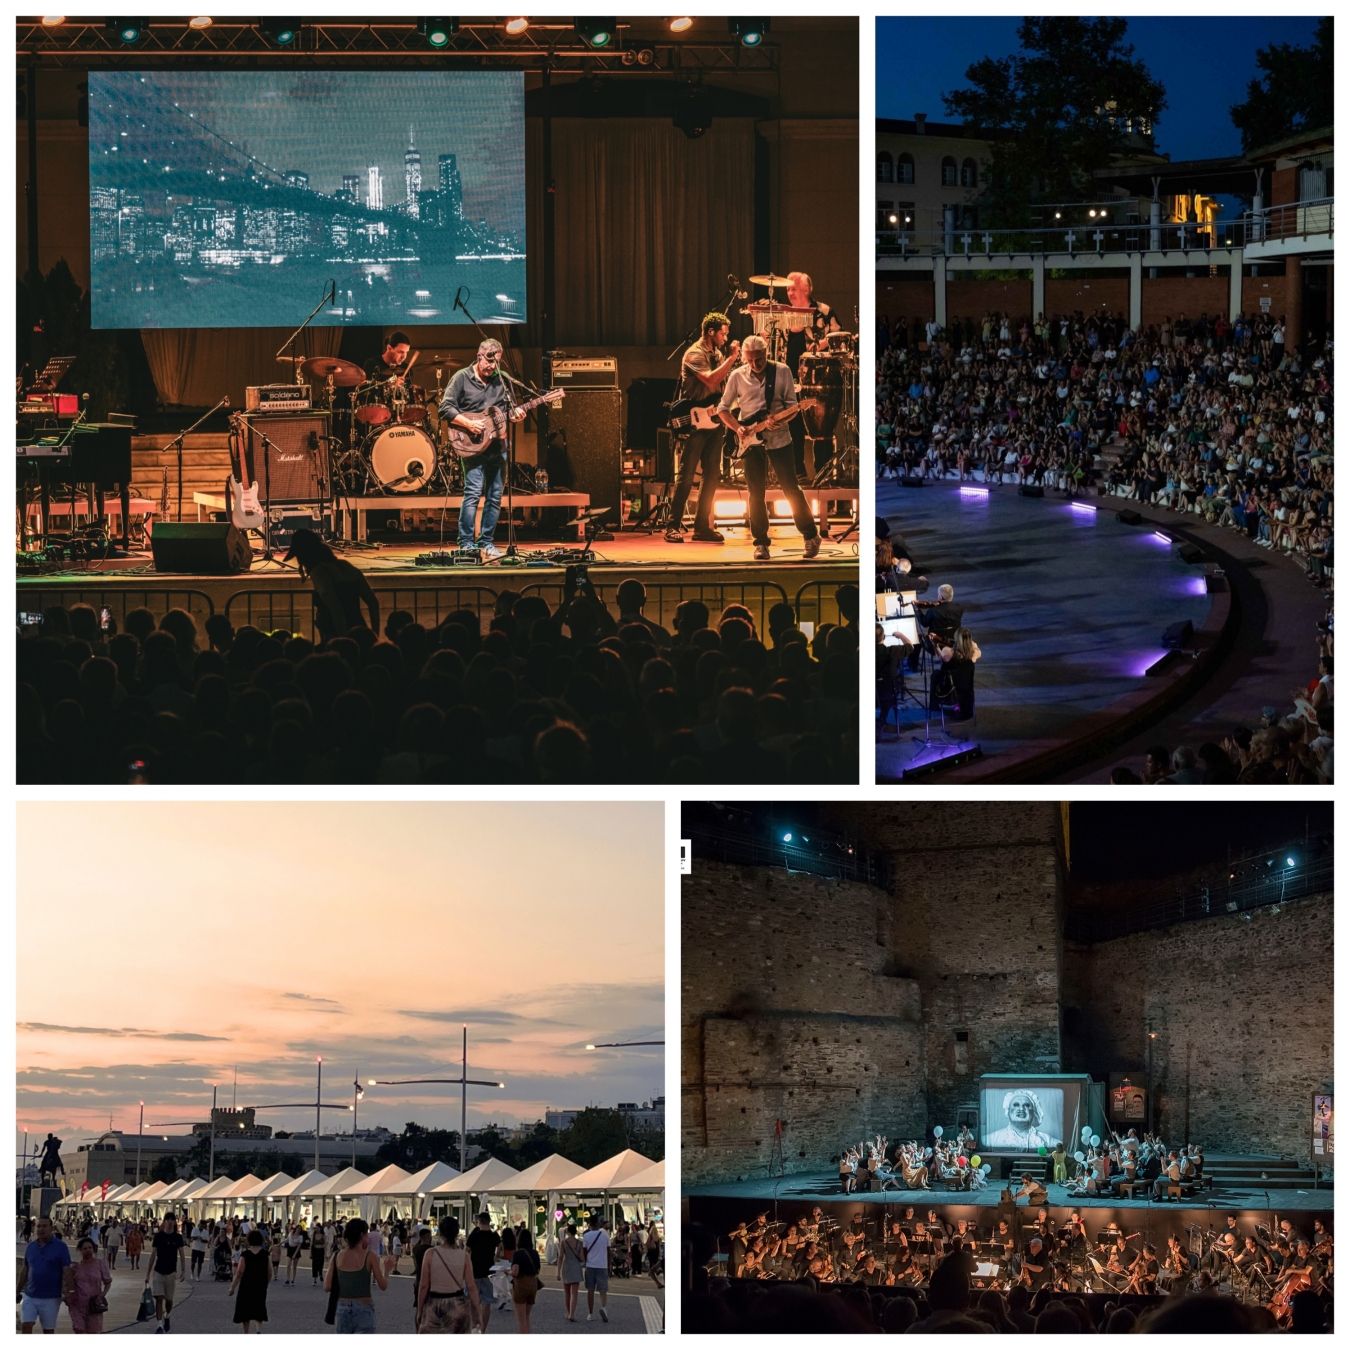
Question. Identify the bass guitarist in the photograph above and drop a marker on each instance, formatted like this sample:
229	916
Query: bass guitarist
762	391
471	391
703	371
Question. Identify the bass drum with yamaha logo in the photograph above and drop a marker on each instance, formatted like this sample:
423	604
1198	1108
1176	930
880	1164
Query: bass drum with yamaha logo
402	458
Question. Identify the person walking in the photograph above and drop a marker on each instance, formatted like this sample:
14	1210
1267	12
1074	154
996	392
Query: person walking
201	1240
421	1246
295	1242
275	1246
482	1245
596	1243
316	1250
162	1274
85	1289
447	1293
350	1273
135	1241
251	1278
571	1266
524	1279
42	1278
112	1238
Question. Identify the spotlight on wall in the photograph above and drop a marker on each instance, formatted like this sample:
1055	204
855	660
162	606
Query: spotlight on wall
515	27
201	21
749	31
787	838
438	32
128	30
53	20
680	25
595	33
281	31
1289	862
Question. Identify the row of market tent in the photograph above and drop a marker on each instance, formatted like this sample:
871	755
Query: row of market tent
627	1175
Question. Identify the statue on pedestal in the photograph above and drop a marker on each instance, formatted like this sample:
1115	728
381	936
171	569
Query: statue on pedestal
51	1162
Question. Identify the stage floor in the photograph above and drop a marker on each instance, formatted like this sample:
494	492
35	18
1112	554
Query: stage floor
1067	604
274	595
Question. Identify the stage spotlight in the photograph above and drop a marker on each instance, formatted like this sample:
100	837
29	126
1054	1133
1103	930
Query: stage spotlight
787	838
438	32
515	27
129	30
595	33
53	20
1289	862
646	56
750	31
680	25
201	21
281	31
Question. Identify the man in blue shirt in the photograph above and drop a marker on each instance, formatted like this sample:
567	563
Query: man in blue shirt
471	392
41	1275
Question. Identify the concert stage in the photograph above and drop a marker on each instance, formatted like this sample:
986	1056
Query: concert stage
1069	606
273	595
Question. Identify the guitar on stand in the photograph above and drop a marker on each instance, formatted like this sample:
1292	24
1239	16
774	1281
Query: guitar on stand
492	425
241	492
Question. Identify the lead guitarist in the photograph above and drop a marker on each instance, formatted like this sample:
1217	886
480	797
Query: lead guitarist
473	390
760	387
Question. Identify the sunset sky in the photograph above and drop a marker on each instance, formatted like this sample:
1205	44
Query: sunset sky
188	938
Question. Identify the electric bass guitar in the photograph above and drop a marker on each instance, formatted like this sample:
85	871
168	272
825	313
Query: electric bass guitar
688	416
241	494
467	443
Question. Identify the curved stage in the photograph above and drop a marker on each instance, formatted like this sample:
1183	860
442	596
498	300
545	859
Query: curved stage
1067	604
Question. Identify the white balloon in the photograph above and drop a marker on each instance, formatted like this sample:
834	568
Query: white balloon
1079	1156
985	1168
1085	1133
937	1131
1096	1141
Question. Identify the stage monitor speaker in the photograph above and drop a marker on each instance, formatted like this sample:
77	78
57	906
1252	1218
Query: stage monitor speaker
1031	490
297	456
1191	554
1129	517
647	416
908	480
205	550
665	456
1178	635
587	426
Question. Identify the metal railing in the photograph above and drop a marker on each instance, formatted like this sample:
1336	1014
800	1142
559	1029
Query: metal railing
1294	220
814	604
1282	882
819	852
159	600
663	598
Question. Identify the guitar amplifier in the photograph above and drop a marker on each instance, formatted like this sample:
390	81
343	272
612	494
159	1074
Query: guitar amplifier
585	441
296	469
584	372
277	398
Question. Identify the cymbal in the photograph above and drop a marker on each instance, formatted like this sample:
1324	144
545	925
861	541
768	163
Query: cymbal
345	373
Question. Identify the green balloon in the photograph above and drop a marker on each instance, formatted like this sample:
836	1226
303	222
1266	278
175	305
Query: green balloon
1041	1150
975	1161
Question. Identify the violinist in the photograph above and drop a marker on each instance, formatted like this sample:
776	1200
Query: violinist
1144	1271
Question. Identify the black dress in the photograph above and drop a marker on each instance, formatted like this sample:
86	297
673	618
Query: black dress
250	1303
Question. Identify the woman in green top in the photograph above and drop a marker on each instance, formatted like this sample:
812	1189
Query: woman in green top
351	1269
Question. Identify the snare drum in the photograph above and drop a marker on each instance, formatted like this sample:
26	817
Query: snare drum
410	404
370	404
402	458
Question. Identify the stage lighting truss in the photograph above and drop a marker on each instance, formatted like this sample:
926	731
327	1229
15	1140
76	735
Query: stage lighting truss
438	32
552	42
749	32
128	32
596	33
283	32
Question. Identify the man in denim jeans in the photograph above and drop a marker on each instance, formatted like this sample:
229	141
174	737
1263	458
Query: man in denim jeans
470	393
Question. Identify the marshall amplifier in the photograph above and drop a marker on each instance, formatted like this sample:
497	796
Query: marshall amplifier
296	467
584	372
277	398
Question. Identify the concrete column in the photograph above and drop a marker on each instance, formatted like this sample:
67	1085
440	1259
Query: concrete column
1136	290
1293	303
1037	286
940	290
1235	290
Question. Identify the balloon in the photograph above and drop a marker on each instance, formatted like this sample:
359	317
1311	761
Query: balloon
975	1161
1041	1151
960	1160
986	1169
937	1131
1085	1133
1096	1141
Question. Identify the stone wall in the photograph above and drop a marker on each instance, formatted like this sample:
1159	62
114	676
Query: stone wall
1243	1011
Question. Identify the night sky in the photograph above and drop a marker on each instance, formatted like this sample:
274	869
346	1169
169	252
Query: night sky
1119	841
1204	64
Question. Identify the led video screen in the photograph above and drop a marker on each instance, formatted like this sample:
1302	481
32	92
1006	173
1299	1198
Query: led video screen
231	199
1020	1115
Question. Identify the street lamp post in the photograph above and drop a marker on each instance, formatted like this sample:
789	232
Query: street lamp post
140	1131
465	1083
318	1104
357	1093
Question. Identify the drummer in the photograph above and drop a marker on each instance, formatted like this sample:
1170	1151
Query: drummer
811	339
385	368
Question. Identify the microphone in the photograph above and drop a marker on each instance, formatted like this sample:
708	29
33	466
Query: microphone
731	280
459	304
226	400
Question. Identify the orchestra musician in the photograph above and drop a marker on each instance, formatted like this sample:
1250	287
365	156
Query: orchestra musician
1035	1264
765	386
1144	1271
703	373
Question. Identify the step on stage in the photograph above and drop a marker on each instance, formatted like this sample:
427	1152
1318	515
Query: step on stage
272	595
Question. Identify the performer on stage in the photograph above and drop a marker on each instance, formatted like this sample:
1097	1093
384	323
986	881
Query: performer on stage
473	390
806	340
702	373
757	387
386	367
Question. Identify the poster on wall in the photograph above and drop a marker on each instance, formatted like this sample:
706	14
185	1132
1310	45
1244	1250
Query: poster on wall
1127	1101
1324	1134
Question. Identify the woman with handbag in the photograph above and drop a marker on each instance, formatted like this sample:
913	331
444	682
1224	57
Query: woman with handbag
447	1294
524	1278
571	1268
87	1283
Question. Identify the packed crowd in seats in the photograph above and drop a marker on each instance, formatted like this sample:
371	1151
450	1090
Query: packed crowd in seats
1229	423
526	695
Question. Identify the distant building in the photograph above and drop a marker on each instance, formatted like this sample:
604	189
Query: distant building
647	1115
296	179
238	1123
351	189
375	188
451	190
412	169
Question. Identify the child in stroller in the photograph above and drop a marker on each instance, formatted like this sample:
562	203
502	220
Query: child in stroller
222	1267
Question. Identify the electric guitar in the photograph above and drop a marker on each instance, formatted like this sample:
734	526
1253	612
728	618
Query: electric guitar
494	421
694	416
241	496
754	426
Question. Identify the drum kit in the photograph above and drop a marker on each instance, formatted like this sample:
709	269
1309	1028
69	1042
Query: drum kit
387	437
827	380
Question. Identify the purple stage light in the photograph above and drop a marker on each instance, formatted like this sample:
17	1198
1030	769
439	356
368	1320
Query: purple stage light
1196	586
1137	663
1083	506
973	491
1158	534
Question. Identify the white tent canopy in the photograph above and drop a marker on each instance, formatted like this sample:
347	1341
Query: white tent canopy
653	1179
215	1189
477	1179
242	1188
610	1174
192	1189
387	1181
135	1193
554	1173
425	1181
152	1192
265	1189
304	1185
339	1184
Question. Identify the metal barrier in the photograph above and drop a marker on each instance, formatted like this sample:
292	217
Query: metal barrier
119	602
293	609
429	607
664	597
820	852
812	605
294	613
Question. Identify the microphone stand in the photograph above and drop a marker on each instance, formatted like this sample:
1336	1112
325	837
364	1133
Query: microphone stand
329	297
178	441
733	294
